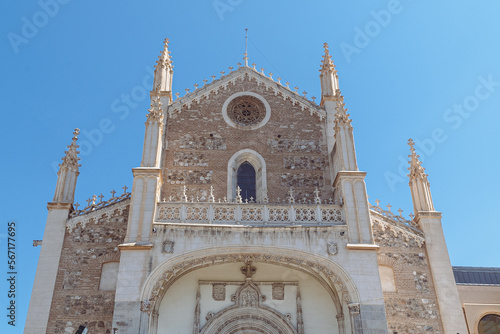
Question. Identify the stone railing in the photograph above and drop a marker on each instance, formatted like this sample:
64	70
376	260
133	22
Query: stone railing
249	213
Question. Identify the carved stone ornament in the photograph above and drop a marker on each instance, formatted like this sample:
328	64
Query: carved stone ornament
332	248
146	306
278	291
168	247
354	308
219	291
246	110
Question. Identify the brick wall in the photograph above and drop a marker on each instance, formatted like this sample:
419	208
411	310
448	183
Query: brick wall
77	299
413	307
200	144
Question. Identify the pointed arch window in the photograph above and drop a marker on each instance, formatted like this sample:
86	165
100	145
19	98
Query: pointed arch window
246	181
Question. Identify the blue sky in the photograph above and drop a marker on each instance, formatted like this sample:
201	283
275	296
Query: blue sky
423	69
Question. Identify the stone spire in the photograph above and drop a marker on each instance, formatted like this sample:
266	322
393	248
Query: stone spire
344	139
152	139
68	173
164	71
419	185
329	78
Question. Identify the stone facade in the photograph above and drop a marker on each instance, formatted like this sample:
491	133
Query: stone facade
188	252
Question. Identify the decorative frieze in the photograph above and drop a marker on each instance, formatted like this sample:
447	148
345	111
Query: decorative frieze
189	176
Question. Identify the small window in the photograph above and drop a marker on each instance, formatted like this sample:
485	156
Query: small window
246	181
489	324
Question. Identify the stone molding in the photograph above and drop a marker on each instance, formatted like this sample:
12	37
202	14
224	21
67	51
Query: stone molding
94	216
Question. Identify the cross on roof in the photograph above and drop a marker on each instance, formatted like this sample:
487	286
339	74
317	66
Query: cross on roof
113	192
411	216
76	205
378	202
94	198
88	201
125	189
389	207
101	196
400	212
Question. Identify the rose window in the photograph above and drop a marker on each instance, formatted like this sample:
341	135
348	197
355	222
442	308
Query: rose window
246	110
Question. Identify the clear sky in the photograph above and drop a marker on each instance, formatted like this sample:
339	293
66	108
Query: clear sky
423	69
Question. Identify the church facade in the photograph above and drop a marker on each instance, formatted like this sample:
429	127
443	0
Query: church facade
248	214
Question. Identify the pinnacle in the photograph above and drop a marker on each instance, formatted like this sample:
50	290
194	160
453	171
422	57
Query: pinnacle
416	169
327	60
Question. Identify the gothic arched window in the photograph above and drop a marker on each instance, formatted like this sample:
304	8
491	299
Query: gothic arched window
246	181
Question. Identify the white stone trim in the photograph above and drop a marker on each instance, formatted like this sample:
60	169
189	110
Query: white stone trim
258	162
246	127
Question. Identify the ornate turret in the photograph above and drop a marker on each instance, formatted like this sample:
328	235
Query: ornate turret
164	71
68	173
419	185
329	78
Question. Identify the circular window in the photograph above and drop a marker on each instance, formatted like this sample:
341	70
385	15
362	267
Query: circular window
489	324
246	111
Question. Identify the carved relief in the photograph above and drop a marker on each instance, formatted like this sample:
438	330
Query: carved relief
332	248
168	247
219	291
278	291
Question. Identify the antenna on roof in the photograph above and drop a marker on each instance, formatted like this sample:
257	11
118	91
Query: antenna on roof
246	47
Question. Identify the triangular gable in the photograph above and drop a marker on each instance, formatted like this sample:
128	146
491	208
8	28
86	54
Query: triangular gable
239	75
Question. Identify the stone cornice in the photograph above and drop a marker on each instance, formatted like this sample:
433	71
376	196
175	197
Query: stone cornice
135	246
349	174
146	171
94	215
239	75
362	247
59	206
428	214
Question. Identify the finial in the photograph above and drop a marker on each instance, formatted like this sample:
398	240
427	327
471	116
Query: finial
271	75
400	212
389	207
287	84
124	189
222	73
239	64
238	195
213	77
205	82
76	205
70	160
291	199
195	86
327	60
313	98
230	68
317	199
101	196
94	198
416	169
212	197
253	65
177	95
187	91
113	192
262	70
279	80
296	89
378	202
304	93
245	56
